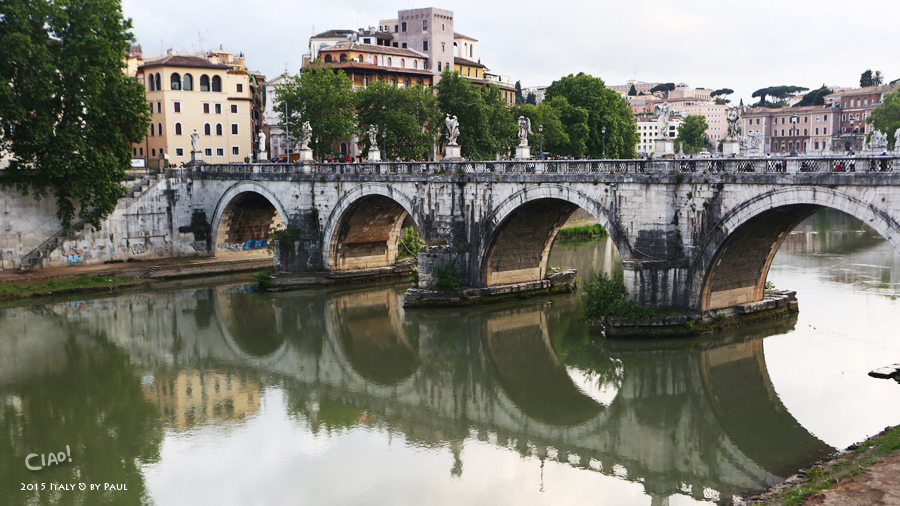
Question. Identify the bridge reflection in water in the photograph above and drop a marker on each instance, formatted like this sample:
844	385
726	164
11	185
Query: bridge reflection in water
696	418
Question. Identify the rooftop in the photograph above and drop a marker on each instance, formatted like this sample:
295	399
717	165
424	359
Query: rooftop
183	61
369	48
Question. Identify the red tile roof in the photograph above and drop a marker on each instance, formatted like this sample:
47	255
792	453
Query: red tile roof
183	61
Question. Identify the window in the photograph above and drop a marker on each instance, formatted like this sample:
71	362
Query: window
389	61
442	27
424	45
205	107
152	83
806	119
234	129
403	26
177	128
443	47
188	84
176	106
817	130
233	108
817	144
158	83
153	152
176	81
207	152
204	82
240	87
152	130
220	151
824	131
367	41
825	118
207	130
439	66
375	60
218	108
216	83
805	132
159	107
424	25
415	64
327	58
179	151
219	130
235	151
135	151
404	45
402	63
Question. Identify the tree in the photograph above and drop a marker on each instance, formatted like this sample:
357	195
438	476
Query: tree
486	126
815	97
886	117
519	98
721	91
69	113
692	132
877	78
575	124
780	92
663	87
555	139
408	117
632	92
866	80
322	96
605	108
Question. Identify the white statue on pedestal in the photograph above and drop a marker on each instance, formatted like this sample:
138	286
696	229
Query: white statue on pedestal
262	141
195	141
732	117
305	135
452	129
662	118
524	130
373	137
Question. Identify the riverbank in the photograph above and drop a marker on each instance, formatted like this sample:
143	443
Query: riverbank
864	474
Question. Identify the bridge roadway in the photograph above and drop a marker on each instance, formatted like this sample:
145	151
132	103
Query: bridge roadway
702	420
695	234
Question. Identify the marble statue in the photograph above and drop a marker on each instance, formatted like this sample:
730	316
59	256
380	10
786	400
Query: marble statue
305	135
452	129
662	118
195	141
878	141
897	139
524	130
732	116
753	140
373	137
826	145
262	141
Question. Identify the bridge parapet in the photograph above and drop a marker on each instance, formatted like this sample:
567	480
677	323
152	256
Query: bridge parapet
847	164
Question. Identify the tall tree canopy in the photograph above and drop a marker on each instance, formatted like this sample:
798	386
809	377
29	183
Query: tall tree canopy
68	113
665	87
322	96
605	108
814	97
779	92
886	117
693	133
408	117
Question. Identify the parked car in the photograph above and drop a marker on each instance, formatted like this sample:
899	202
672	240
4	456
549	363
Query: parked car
704	154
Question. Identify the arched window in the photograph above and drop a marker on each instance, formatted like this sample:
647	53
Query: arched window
375	60
176	81
362	59
419	82
152	130
389	61
327	58
415	64
218	129
188	83
177	128
343	57
216	83
152	83
204	82
158	82
159	129
402	63
207	130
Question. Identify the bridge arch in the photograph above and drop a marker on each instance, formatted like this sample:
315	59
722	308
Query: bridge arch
518	234
247	211
733	262
363	229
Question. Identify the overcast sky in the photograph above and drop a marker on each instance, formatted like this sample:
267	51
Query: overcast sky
704	43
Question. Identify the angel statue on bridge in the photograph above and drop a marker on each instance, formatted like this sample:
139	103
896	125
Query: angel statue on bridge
662	118
452	129
524	130
732	117
305	135
373	137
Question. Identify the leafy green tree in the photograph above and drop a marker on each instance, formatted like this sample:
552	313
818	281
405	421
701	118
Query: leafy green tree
814	97
531	99
719	95
486	126
866	79
605	108
555	139
663	87
519	98
322	96
877	78
692	132
886	117
779	92
408	117
68	114
575	126
632	92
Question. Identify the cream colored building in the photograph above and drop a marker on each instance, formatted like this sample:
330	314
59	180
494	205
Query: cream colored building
210	95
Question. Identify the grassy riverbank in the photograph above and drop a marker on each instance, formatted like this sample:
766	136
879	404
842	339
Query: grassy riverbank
847	472
11	292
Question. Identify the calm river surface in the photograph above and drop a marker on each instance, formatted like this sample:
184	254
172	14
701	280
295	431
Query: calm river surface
214	395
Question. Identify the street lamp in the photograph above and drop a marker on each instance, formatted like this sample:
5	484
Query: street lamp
852	134
794	121
541	131
603	131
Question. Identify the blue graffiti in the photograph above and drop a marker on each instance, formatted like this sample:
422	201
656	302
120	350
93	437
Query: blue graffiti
252	244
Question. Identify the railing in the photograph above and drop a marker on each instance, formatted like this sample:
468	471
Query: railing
882	163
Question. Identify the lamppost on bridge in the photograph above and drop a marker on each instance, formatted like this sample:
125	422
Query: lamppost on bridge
603	131
541	131
794	121
851	144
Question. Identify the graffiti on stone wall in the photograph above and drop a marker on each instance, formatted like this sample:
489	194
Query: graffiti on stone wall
73	256
230	246
198	245
138	249
251	244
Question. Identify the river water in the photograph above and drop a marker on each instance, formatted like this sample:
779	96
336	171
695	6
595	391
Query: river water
217	395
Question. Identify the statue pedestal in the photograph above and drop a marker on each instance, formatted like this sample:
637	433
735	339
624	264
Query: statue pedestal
196	156
305	155
453	152
523	152
731	147
663	148
263	156
374	155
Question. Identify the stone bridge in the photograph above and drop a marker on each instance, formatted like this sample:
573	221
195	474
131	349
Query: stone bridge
695	234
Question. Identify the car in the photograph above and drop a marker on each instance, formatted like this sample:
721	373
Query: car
704	154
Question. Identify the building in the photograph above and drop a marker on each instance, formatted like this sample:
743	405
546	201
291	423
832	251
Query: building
786	130
211	95
367	63
428	30
853	107
648	132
